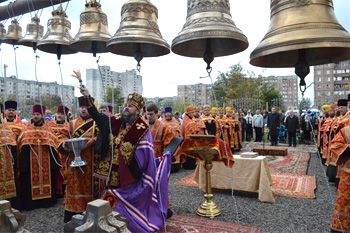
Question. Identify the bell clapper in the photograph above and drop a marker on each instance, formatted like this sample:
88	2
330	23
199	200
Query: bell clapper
58	52
208	56
302	69
94	48
138	57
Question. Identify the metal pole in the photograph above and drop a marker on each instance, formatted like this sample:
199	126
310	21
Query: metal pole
20	7
112	94
5	82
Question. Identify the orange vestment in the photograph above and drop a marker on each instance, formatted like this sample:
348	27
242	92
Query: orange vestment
176	129
174	126
320	133
342	122
40	139
341	153
325	129
162	136
189	127
200	124
56	128
223	122
17	126
332	128
236	132
80	187
7	173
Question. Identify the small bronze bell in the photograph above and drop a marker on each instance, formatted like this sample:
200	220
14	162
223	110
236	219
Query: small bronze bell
33	34
14	33
302	33
57	38
93	33
209	31
2	32
138	34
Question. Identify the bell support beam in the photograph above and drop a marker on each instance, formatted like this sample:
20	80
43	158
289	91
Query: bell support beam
20	7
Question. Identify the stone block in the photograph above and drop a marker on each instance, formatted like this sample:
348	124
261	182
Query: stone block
11	220
98	218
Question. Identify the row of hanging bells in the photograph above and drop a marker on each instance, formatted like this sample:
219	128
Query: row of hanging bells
301	33
137	36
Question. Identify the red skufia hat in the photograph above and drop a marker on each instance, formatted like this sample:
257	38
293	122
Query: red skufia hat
82	101
62	109
110	109
39	109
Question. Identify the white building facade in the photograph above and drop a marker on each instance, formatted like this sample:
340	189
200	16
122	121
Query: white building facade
97	83
23	90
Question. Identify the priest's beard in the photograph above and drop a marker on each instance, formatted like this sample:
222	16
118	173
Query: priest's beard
38	123
85	117
168	118
128	118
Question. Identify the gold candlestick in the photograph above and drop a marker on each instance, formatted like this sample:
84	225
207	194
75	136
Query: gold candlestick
208	208
207	148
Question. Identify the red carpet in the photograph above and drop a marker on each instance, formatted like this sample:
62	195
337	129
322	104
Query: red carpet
284	184
295	164
291	185
271	150
186	223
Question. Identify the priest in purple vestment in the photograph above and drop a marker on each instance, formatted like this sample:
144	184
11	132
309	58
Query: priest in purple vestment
136	182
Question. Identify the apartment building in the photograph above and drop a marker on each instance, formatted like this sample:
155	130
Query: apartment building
97	81
196	95
331	82
24	90
288	88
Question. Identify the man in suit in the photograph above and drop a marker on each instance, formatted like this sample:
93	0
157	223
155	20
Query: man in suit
292	124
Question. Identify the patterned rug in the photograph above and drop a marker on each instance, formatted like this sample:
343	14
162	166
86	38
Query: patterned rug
295	164
271	150
291	185
284	184
186	223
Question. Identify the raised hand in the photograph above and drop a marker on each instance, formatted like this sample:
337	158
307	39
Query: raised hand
84	91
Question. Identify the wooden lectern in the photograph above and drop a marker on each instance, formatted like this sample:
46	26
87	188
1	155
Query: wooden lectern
208	148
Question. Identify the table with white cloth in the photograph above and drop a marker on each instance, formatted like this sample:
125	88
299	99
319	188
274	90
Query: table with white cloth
248	174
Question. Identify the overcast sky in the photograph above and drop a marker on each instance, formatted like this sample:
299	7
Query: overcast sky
161	75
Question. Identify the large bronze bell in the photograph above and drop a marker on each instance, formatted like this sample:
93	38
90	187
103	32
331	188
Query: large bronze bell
14	33
57	38
209	31
93	33
2	32
138	34
33	34
302	32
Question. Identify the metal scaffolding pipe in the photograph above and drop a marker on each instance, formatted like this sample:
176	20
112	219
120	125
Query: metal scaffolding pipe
20	7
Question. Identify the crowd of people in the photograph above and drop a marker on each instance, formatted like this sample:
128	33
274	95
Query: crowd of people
127	161
277	127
